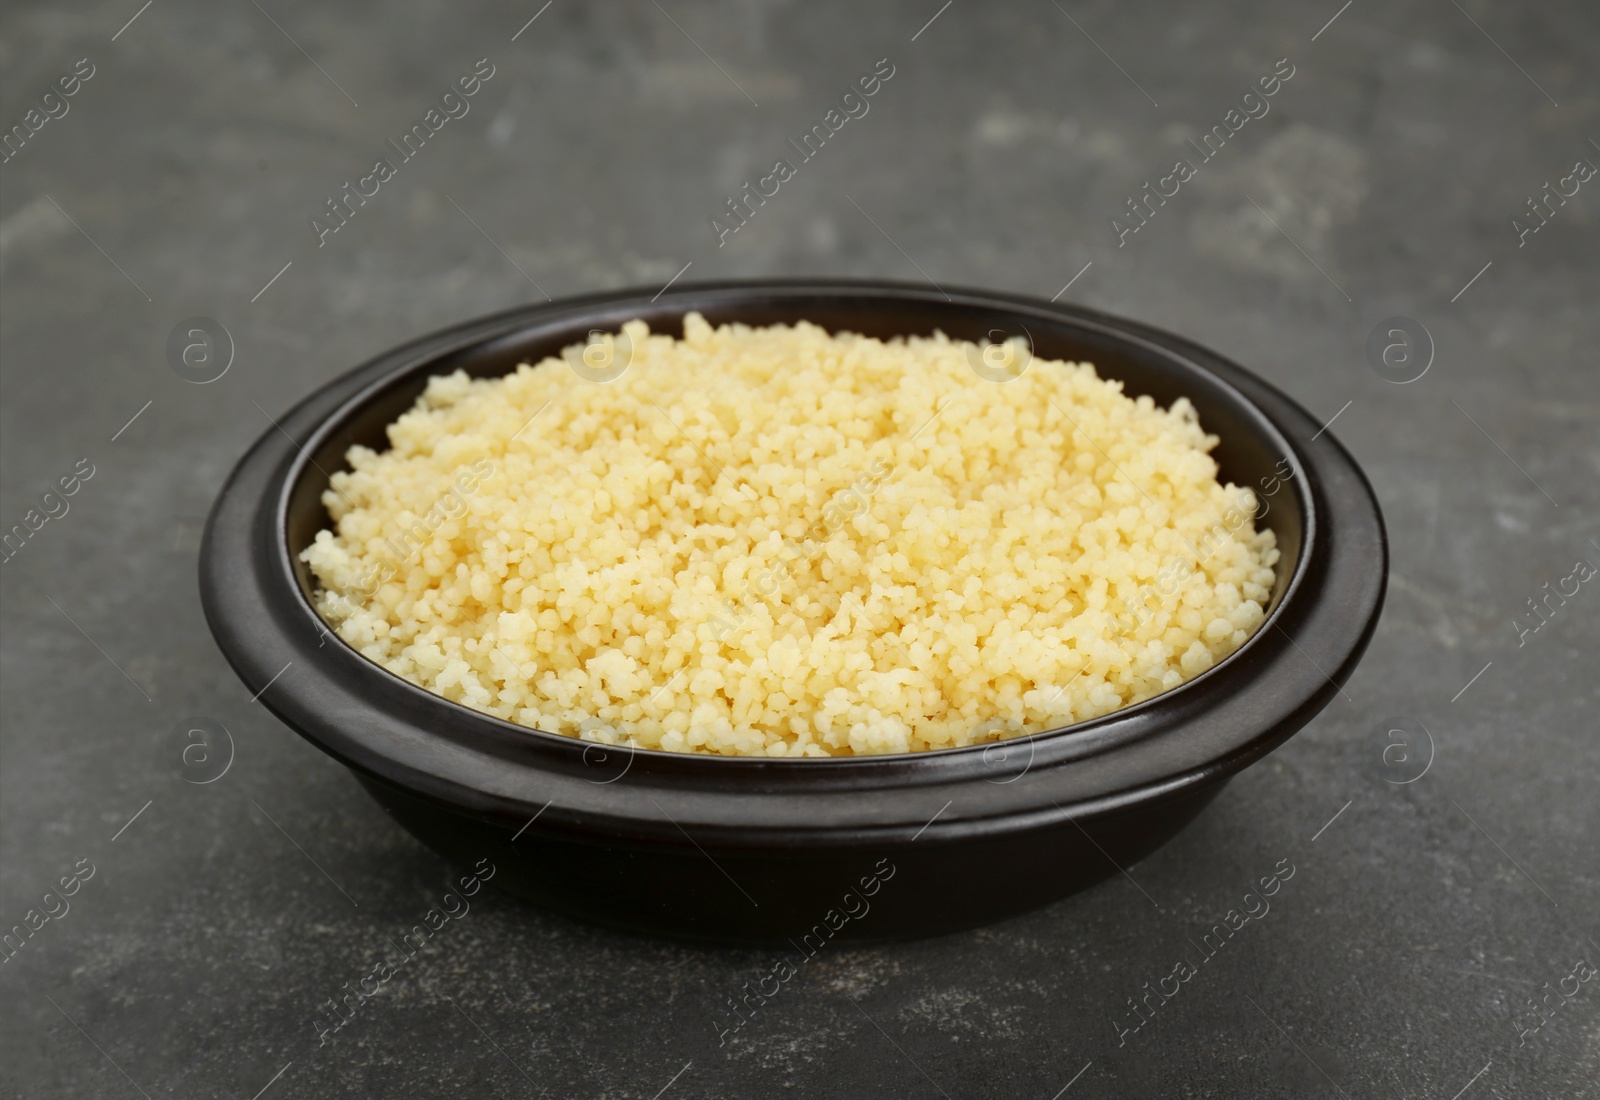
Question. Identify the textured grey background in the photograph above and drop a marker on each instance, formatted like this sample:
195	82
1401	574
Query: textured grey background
1397	962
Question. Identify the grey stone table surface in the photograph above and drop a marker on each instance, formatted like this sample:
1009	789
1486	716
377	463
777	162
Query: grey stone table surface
1436	936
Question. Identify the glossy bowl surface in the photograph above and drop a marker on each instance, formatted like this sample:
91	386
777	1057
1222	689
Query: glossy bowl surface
760	850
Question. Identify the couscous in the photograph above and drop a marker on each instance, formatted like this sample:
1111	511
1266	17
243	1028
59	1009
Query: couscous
789	543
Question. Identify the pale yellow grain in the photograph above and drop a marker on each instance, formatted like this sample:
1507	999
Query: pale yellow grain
785	543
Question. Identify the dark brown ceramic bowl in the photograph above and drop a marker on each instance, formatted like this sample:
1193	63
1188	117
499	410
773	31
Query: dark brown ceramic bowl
754	850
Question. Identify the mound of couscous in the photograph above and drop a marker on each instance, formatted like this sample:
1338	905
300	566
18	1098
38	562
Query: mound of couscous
781	542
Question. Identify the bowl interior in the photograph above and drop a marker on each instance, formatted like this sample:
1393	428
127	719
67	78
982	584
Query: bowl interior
1249	454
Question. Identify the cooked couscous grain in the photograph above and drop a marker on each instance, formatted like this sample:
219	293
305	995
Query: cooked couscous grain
781	542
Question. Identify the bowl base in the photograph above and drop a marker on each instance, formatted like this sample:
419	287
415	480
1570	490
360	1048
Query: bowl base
706	893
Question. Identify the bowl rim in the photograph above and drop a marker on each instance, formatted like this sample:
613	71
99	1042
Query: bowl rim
432	718
351	406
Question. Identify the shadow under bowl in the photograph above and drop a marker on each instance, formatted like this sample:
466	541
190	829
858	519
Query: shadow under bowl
807	851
